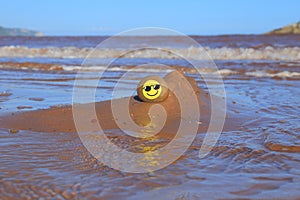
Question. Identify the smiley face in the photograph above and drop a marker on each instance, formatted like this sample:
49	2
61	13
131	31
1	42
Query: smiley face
152	89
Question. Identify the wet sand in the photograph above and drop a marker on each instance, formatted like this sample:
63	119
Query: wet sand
55	148
61	119
50	161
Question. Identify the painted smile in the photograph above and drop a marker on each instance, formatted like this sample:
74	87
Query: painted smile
152	94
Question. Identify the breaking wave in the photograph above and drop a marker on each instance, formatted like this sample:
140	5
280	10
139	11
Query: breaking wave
283	73
224	53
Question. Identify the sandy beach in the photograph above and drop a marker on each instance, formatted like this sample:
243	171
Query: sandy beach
256	156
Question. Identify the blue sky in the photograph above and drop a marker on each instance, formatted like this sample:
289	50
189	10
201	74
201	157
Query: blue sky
206	17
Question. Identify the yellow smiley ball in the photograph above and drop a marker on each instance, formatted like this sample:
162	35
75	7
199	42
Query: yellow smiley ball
152	89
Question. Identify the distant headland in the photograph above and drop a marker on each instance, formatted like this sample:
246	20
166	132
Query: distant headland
289	29
18	32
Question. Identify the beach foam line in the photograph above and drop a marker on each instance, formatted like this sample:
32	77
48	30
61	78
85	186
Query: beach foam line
93	68
224	53
284	74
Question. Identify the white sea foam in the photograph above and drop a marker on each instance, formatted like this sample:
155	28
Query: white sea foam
222	72
114	69
159	70
284	74
224	53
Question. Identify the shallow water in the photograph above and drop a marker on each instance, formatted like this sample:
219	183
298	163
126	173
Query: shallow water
258	160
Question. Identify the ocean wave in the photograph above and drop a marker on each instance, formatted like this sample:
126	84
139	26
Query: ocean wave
283	74
224	53
154	69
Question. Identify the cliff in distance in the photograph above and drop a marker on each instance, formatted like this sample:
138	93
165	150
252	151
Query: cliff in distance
18	32
290	29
